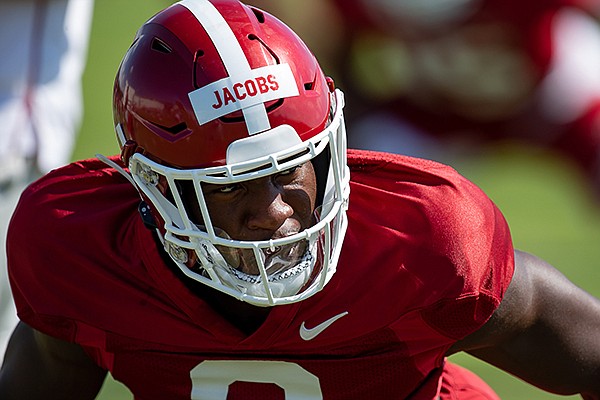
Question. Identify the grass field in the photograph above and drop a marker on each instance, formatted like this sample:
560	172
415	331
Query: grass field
549	208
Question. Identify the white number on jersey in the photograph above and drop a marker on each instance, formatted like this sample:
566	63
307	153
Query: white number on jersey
211	378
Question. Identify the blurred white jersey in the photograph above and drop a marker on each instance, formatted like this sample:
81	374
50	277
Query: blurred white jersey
44	50
44	47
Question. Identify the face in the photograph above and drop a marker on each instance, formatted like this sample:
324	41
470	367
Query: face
266	208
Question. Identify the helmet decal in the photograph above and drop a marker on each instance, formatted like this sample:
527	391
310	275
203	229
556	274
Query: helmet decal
247	92
245	89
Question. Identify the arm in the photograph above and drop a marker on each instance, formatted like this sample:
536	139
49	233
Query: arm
546	331
37	366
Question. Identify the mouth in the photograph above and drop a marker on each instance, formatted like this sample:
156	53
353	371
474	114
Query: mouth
288	280
277	260
280	264
281	275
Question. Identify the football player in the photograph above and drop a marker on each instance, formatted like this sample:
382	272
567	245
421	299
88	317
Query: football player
237	250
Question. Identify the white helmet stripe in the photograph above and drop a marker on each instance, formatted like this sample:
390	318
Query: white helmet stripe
233	58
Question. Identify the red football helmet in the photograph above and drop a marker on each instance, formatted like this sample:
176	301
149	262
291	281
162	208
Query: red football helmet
219	92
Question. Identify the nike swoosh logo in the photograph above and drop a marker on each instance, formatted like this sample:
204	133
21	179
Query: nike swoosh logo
310	334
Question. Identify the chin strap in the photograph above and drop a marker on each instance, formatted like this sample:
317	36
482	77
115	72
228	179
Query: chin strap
117	167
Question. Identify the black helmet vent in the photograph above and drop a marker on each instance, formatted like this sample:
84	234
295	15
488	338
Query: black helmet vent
160	46
260	16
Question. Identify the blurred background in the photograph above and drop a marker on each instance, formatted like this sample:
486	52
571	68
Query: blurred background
488	87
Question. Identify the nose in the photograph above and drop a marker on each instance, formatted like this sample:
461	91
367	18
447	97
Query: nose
267	209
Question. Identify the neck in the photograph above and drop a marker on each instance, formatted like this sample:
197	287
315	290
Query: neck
246	317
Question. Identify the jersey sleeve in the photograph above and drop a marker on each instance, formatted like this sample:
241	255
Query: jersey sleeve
449	241
60	248
472	235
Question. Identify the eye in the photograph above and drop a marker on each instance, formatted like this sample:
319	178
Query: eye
227	188
289	171
286	176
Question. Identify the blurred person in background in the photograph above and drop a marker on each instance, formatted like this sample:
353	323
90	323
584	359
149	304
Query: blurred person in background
44	46
440	79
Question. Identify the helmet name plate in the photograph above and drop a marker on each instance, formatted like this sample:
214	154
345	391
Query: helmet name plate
242	91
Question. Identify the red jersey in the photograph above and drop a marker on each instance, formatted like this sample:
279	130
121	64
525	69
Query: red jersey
426	261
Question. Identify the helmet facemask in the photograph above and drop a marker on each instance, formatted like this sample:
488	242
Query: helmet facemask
265	272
